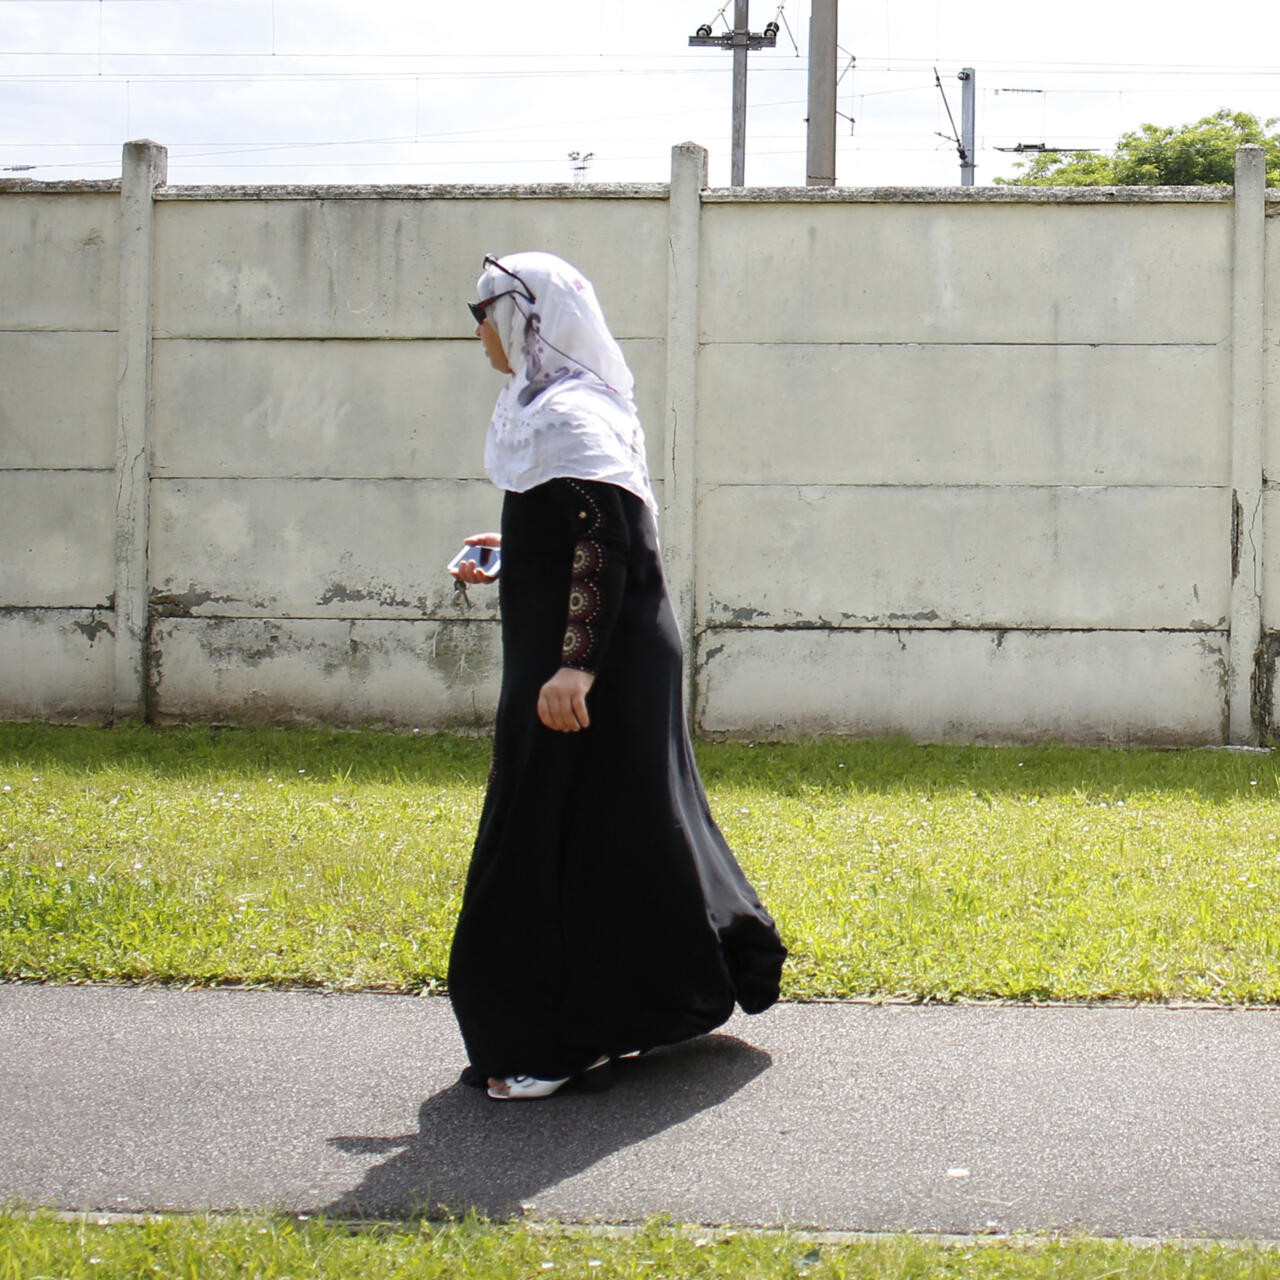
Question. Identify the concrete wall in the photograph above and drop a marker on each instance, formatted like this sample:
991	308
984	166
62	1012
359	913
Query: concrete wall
59	299
962	464
981	488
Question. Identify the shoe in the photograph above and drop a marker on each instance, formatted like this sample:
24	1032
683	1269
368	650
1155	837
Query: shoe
510	1088
513	1088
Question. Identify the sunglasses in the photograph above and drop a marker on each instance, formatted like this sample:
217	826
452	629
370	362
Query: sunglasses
477	309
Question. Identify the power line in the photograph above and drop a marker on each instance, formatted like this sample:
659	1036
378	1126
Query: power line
352	56
888	65
463	135
871	63
350	77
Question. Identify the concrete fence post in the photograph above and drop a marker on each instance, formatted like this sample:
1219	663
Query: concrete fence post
680	480
1247	376
144	167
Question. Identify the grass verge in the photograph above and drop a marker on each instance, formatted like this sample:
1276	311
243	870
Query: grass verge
283	856
205	1248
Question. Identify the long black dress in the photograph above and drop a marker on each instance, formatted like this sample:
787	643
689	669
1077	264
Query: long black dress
603	910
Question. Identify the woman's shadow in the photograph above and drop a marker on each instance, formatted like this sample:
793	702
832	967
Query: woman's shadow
471	1153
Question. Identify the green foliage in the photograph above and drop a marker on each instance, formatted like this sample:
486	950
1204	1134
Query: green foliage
40	1246
1064	169
1189	155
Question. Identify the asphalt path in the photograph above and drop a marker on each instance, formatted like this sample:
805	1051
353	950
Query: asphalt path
955	1119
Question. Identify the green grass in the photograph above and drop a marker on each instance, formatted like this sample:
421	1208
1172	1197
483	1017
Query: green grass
202	1248
285	856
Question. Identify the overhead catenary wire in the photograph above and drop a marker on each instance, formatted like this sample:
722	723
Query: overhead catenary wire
273	51
883	63
465	137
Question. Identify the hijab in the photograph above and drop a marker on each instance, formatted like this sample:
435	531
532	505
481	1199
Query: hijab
567	410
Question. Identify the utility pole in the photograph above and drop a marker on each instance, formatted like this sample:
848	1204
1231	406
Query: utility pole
739	40
968	86
822	94
740	32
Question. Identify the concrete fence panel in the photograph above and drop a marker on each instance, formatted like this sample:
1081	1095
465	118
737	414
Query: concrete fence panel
58	405
422	673
59	552
309	548
60	259
965	271
59	359
356	267
318	418
964	557
338	408
964	414
971	686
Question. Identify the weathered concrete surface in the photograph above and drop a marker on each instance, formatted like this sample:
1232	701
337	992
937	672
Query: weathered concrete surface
59	544
328	671
967	272
946	556
59	260
304	548
57	400
146	166
970	195
340	268
525	191
1271	342
342	408
1143	1121
59	664
965	686
916	414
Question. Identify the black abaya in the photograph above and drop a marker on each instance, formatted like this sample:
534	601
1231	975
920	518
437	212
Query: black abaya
604	912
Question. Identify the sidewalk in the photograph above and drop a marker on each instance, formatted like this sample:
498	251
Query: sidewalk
1143	1121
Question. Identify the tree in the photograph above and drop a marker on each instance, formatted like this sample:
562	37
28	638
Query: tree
1192	155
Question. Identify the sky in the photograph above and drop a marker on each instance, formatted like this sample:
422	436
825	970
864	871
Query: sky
505	91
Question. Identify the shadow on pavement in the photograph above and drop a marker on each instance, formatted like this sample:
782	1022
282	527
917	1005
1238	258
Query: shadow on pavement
472	1153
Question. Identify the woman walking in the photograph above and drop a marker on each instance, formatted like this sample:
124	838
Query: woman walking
604	914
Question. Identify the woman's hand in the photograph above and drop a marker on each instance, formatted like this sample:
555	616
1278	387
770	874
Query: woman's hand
562	701
468	570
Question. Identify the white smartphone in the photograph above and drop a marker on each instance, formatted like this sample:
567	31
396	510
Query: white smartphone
486	559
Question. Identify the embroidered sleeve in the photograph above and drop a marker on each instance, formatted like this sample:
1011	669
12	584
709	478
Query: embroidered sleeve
598	572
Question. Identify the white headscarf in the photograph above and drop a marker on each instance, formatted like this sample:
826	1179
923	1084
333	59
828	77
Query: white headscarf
567	410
